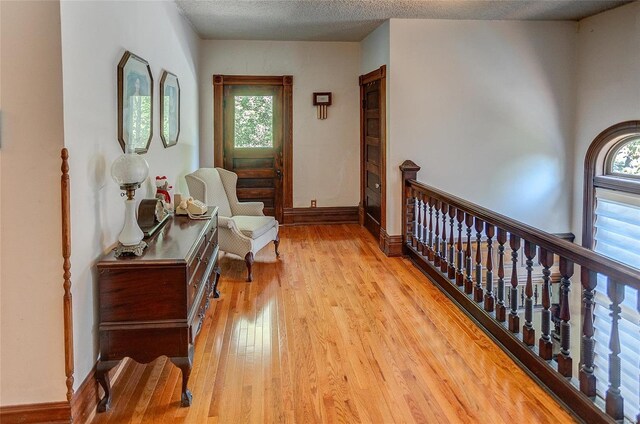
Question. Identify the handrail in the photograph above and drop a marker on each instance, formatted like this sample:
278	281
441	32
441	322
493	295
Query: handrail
625	274
469	250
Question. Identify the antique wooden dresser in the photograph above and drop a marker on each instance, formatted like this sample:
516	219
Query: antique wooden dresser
154	305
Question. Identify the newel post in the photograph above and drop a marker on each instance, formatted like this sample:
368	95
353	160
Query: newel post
409	172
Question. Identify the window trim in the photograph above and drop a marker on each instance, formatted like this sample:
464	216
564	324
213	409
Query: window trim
596	172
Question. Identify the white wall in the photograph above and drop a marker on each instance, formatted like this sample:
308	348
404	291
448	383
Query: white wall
31	321
486	109
375	49
325	152
94	37
608	84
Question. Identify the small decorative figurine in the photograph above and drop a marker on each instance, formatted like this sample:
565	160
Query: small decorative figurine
162	192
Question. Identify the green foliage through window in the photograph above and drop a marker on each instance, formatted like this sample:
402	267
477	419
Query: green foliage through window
626	160
253	121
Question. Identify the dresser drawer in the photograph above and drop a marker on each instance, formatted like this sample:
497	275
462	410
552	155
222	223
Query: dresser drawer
203	273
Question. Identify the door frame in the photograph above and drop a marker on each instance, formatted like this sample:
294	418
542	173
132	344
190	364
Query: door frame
286	81
378	74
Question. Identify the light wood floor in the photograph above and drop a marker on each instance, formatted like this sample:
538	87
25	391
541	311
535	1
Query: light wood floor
334	331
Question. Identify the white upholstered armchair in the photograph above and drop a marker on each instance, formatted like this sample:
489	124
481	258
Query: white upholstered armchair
243	229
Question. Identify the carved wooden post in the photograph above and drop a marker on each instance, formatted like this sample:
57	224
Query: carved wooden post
613	398
459	269
66	272
514	319
545	346
451	271
528	333
478	291
587	377
488	296
468	282
565	362
501	310
443	245
409	172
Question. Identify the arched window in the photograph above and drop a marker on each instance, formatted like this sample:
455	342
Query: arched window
611	227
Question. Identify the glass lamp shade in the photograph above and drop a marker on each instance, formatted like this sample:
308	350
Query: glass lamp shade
129	169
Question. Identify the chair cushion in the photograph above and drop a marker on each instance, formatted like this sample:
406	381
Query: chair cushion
254	226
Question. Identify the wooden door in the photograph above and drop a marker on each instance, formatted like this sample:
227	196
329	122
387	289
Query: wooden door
373	152
253	139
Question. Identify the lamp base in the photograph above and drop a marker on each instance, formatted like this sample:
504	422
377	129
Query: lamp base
136	249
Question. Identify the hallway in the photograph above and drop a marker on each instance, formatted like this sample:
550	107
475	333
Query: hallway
334	331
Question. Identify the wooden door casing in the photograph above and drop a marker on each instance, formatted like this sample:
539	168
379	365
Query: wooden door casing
373	153
260	173
259	169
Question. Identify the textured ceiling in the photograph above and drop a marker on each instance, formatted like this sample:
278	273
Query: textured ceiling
352	20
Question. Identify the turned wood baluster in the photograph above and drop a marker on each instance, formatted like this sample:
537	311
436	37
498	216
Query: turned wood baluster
501	310
436	239
528	333
589	281
545	346
451	271
431	203
613	399
443	243
419	213
478	292
565	362
425	230
489	301
460	262
412	220
514	319
468	282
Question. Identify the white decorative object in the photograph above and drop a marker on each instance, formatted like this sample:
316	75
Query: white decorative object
129	171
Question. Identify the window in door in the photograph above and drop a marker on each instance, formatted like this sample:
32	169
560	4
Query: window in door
253	122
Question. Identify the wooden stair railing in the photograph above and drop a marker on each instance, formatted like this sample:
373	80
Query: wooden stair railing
455	263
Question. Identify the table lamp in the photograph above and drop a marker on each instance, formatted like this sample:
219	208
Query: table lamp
129	171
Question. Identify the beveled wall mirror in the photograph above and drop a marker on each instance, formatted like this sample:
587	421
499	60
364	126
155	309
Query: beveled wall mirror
135	103
169	109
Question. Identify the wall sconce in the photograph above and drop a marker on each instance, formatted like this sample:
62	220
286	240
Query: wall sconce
321	101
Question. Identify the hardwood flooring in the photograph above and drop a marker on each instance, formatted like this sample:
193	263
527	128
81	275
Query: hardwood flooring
334	331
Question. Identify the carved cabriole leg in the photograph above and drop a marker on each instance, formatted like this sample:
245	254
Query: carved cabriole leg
587	377
276	244
185	363
249	261
102	375
216	279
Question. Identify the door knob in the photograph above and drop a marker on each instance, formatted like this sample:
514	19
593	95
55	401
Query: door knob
377	185
279	173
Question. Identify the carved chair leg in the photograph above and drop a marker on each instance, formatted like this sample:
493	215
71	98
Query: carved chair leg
276	243
249	261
